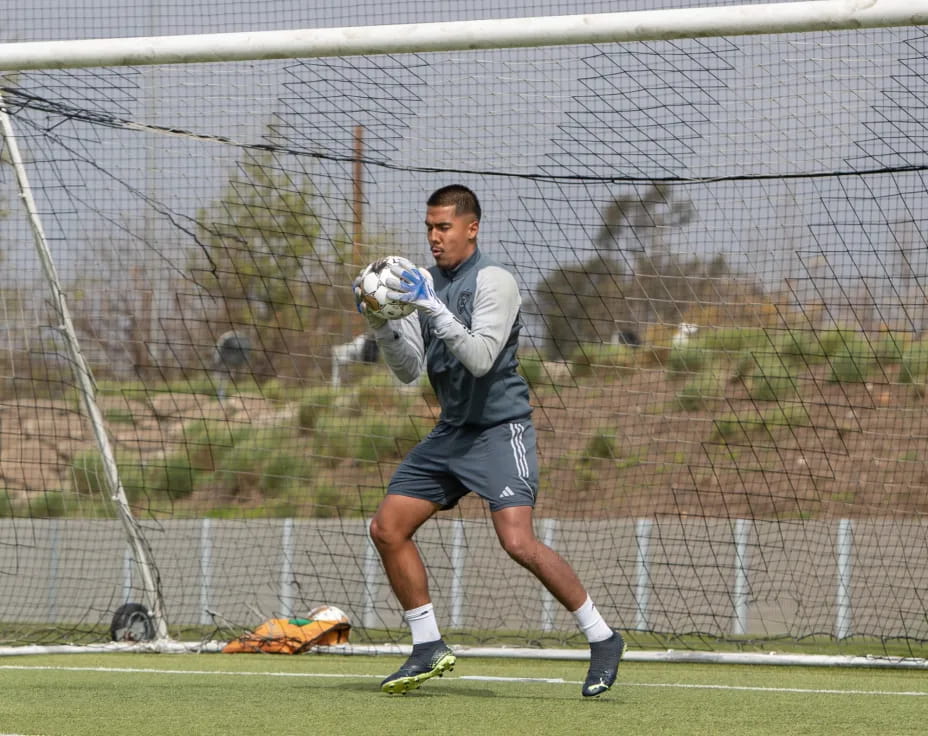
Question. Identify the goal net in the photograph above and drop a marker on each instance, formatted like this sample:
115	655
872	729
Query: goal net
721	247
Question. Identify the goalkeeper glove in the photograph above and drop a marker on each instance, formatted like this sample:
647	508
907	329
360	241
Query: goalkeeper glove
373	320
415	286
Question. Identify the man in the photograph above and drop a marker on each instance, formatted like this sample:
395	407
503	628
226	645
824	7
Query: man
465	332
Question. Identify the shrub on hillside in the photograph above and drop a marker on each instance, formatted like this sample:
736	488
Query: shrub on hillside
913	368
854	363
734	339
686	360
767	377
700	391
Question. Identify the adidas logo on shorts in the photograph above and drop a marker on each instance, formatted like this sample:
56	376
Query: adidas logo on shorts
506	492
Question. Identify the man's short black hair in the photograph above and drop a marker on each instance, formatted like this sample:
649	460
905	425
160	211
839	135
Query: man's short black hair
464	200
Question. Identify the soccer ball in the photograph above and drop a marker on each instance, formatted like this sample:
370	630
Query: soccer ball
328	613
374	290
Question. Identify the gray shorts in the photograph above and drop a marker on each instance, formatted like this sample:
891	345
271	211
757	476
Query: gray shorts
498	463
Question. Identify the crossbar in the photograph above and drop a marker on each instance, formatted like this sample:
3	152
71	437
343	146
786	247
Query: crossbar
651	25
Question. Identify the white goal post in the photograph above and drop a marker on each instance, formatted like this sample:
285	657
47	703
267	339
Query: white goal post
84	380
723	279
818	15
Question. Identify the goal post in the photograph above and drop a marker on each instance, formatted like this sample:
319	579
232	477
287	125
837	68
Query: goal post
645	25
716	217
84	383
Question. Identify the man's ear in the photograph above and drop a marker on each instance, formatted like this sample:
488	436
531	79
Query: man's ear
472	229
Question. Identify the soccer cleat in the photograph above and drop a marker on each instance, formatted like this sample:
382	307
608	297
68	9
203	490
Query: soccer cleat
427	660
604	665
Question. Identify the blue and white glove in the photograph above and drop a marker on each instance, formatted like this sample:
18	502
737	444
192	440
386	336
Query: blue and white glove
373	320
415	286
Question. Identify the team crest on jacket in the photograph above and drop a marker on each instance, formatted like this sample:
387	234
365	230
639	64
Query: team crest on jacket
465	298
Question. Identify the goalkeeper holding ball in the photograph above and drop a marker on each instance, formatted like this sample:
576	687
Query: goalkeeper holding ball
465	332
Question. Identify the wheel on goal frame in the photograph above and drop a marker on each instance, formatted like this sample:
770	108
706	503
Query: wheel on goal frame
132	622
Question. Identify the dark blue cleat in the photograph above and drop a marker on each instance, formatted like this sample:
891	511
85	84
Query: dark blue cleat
604	665
427	660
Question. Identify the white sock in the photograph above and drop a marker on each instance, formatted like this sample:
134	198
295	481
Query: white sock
422	624
591	623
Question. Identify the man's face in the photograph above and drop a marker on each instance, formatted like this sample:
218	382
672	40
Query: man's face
452	238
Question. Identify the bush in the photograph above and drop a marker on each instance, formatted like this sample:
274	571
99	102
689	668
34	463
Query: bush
799	345
811	346
601	445
173	477
380	437
327	502
379	392
913	367
238	477
119	415
283	471
727	427
792	416
307	415
259	462
889	349
283	390
768	379
699	391
531	368
688	359
216	432
744	424
335	437
206	442
606	355
853	363
313	406
87	475
47	505
603	359
734	339
834	342
377	441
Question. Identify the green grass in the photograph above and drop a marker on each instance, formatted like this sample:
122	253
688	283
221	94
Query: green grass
252	695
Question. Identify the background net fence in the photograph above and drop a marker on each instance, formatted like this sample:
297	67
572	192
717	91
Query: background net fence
721	249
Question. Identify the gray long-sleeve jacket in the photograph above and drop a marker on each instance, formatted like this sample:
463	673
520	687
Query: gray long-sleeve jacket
471	361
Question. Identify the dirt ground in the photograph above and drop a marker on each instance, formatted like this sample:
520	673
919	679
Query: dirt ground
615	443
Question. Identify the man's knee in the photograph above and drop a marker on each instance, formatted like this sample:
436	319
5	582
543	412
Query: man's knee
523	548
385	535
397	520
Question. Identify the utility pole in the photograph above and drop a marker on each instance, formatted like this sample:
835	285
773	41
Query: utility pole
358	198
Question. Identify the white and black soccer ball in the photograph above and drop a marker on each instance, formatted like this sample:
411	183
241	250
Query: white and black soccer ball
328	613
372	283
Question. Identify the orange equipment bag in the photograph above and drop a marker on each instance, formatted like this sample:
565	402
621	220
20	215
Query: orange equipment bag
326	625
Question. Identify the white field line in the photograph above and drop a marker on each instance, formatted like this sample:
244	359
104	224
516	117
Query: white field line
478	678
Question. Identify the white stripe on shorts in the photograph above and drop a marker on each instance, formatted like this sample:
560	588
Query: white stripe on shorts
518	452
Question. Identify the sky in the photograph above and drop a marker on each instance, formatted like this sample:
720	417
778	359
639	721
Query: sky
548	139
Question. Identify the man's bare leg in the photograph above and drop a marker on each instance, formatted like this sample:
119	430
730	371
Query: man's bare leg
392	530
517	536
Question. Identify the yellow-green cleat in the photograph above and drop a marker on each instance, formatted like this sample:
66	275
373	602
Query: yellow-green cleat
427	660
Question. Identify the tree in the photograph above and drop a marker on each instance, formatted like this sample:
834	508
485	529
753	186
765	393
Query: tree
266	263
634	279
603	297
583	303
641	219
